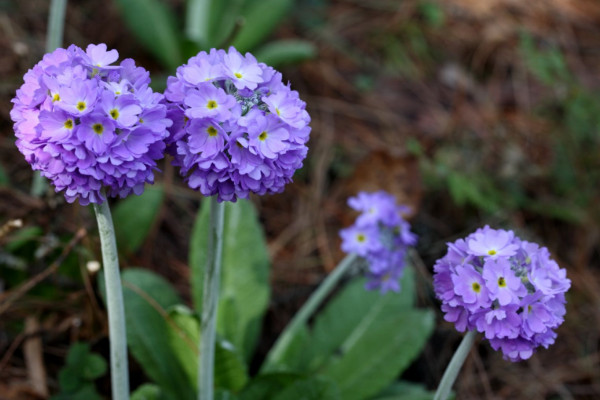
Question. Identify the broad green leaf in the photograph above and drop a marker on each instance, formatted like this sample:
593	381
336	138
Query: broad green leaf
376	356
133	217
244	289
283	52
95	367
352	313
289	386
260	18
312	388
404	390
147	391
210	23
184	333
147	296
155	26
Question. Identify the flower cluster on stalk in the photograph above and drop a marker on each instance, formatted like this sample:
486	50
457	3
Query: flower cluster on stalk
381	236
237	128
507	288
88	125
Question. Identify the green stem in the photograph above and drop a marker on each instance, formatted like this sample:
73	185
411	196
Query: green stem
454	367
196	23
54	37
56	21
308	309
114	299
210	298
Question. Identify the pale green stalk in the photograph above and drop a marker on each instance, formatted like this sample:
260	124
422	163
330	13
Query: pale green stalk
54	37
119	371
210	299
452	370
196	20
307	310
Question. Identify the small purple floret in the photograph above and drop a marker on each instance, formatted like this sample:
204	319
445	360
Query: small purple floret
237	128
381	236
507	288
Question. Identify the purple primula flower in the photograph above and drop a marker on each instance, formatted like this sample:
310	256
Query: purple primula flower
225	138
78	120
504	287
381	236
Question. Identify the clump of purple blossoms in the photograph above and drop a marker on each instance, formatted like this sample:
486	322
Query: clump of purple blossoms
237	128
504	287
88	125
381	236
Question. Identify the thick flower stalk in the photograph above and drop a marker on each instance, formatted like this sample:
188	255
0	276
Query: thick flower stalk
237	128
381	236
504	287
88	125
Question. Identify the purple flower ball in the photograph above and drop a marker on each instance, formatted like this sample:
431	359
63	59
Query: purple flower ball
238	128
90	126
504	287
381	236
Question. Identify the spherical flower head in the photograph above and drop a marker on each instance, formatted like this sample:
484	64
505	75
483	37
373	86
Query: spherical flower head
381	236
238	129
507	288
90	126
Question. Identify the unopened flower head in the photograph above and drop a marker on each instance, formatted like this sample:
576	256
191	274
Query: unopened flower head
88	125
504	287
381	236
238	129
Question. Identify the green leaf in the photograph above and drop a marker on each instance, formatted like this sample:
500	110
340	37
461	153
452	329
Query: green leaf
95	367
404	390
69	379
265	386
380	353
244	290
289	386
210	22
134	217
4	181
22	237
313	388
155	26
147	296
147	391
85	392
184	333
260	18
283	52
352	313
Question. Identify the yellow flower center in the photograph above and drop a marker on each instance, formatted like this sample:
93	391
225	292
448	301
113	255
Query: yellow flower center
277	111
114	113
56	97
491	252
476	287
212	131
211	105
69	124
361	237
98	128
263	136
81	105
238	75
501	282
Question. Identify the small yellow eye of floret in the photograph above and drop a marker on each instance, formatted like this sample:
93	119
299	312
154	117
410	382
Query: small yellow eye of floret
263	136
114	113
212	131
98	128
81	105
361	238
56	97
492	252
69	124
501	282
238	75
211	105
476	287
